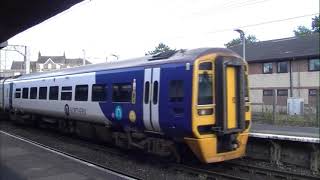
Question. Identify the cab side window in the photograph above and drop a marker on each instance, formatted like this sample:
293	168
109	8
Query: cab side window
176	93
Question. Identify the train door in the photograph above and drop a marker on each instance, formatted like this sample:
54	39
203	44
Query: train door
151	99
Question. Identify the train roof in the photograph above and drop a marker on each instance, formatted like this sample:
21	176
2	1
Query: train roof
179	56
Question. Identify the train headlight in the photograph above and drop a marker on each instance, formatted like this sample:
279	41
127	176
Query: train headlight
203	112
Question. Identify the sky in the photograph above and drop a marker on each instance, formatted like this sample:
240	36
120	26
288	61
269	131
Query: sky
98	28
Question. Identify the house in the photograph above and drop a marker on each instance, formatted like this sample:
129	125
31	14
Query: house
18	68
288	67
48	63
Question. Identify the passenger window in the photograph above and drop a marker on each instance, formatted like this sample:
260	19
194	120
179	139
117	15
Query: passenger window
25	93
99	92
81	93
121	92
176	93
18	93
66	93
43	93
54	93
33	93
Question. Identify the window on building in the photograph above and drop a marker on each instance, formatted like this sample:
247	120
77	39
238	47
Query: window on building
268	92
66	93
282	92
267	68
312	92
54	93
176	93
18	93
121	92
33	93
314	65
25	93
81	93
99	92
282	67
43	92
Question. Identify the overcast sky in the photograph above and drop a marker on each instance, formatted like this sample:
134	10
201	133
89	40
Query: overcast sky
130	28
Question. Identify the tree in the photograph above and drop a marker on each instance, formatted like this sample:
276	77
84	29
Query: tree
316	24
302	31
160	48
249	39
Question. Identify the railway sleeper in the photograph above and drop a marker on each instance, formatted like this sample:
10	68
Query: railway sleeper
275	152
314	158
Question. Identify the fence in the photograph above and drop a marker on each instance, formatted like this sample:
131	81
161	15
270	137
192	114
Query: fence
278	113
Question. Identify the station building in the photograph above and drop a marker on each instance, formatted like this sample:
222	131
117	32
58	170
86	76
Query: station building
289	67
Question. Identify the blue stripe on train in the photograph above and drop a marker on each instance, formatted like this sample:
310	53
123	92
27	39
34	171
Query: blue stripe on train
172	123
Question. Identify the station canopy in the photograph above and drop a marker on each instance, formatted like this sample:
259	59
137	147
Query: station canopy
19	15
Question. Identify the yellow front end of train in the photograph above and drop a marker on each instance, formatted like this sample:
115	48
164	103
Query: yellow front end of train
221	111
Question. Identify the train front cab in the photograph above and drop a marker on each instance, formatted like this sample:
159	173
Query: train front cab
220	108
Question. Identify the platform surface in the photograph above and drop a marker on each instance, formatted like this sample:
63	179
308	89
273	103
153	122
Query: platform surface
21	160
286	130
303	134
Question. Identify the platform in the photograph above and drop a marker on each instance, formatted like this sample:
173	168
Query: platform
303	134
20	159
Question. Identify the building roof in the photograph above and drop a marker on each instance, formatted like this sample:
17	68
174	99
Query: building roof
279	49
19	65
55	59
76	61
61	60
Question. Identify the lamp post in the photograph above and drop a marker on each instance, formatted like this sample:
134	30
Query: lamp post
84	57
243	38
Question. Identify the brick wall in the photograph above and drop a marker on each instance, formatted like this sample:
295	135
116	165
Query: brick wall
302	81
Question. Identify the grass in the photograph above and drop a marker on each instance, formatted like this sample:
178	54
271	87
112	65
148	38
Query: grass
308	119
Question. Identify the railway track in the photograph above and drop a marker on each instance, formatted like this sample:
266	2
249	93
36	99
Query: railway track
241	171
204	173
221	171
261	172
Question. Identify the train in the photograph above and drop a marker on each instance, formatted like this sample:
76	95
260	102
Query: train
195	98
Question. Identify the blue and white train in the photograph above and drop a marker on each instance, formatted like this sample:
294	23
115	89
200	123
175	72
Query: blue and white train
197	98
